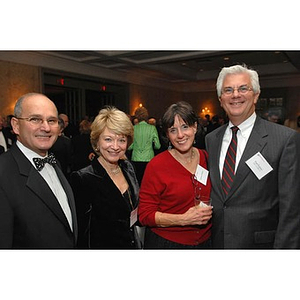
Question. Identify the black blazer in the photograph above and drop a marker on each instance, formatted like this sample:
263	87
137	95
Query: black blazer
103	212
258	213
30	215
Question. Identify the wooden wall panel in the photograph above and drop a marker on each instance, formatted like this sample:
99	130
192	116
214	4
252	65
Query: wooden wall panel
16	80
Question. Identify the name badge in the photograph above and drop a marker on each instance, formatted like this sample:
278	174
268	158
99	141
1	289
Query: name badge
259	166
201	175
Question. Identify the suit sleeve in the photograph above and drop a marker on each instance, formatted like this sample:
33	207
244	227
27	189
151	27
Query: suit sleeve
6	221
288	231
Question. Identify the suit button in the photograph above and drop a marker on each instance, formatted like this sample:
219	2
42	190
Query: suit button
224	207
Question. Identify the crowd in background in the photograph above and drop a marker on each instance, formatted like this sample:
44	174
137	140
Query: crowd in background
135	180
73	146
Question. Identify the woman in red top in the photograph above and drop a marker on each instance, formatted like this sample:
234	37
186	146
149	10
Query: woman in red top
167	191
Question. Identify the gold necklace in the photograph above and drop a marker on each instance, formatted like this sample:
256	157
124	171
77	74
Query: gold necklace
112	171
188	160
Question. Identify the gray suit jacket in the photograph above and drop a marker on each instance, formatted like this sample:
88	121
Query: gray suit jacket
30	215
258	213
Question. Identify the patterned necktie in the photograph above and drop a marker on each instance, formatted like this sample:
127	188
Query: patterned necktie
229	163
40	162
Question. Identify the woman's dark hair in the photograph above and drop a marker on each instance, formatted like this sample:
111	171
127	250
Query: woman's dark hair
182	109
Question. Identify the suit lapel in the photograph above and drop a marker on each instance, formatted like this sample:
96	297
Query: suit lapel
70	196
131	179
107	186
39	187
214	157
256	143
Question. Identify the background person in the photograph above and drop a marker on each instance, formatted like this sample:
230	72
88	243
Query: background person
261	209
37	208
145	140
63	150
70	129
106	192
6	136
82	148
167	204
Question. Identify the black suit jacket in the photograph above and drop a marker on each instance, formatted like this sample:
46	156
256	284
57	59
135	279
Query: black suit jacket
30	215
258	213
103	213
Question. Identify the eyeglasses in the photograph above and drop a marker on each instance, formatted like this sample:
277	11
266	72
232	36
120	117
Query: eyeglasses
36	121
243	89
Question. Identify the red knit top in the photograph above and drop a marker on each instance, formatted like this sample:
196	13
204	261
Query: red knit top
167	187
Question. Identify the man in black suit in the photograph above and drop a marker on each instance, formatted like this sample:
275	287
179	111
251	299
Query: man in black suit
37	209
257	204
5	137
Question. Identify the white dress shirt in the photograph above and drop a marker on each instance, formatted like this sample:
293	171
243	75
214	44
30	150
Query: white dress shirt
50	176
243	134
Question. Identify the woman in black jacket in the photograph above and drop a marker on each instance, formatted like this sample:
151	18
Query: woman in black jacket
106	192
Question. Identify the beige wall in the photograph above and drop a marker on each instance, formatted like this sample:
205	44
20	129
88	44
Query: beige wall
16	80
204	100
156	100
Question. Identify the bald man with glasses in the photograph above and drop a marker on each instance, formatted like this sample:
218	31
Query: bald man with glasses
37	209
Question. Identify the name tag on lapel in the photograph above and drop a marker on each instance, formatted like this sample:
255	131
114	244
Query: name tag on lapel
259	166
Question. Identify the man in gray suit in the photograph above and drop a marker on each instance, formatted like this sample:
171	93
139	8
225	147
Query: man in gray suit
37	209
256	190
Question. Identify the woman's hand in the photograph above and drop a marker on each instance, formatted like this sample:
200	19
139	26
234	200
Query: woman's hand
193	216
197	215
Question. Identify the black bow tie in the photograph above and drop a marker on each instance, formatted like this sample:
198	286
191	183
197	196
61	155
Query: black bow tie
40	162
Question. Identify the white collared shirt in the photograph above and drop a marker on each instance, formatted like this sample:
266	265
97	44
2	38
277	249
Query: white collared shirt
50	176
243	135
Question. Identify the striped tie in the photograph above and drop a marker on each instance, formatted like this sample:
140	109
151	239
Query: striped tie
229	163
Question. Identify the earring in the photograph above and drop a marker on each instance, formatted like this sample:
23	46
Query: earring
169	146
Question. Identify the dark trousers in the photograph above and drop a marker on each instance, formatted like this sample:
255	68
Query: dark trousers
154	241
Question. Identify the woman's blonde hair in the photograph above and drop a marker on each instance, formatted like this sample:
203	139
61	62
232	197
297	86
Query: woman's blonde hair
113	119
